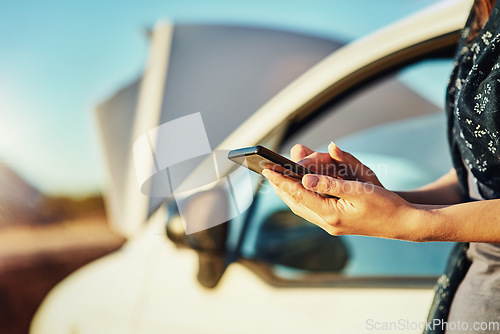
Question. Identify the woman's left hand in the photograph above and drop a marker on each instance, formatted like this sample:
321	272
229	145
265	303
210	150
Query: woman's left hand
361	208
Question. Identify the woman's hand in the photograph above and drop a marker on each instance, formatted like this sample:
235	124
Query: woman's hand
362	208
366	208
336	163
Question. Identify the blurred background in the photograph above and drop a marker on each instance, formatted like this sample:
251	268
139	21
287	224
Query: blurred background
58	60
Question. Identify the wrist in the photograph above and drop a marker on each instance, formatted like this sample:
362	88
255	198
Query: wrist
419	223
429	224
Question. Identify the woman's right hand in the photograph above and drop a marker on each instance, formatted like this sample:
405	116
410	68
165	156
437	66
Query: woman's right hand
336	163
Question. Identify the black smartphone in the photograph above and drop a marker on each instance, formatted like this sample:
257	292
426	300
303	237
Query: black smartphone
257	158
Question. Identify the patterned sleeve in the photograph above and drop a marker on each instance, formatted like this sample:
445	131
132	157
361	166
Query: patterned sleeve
475	104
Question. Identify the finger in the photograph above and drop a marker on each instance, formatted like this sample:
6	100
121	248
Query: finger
299	152
346	167
297	192
322	211
284	183
337	154
348	164
322	163
290	199
342	156
317	162
293	187
331	186
301	210
297	208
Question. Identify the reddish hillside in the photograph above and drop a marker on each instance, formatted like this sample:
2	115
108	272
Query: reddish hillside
19	200
42	240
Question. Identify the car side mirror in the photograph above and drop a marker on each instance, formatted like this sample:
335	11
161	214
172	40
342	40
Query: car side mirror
209	244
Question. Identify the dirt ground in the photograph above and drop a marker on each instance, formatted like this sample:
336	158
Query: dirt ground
33	259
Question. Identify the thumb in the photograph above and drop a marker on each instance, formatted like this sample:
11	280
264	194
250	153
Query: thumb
336	153
323	184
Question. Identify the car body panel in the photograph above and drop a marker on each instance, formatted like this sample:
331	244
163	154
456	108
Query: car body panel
150	287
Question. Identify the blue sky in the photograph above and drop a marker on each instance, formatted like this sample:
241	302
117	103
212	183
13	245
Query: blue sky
59	58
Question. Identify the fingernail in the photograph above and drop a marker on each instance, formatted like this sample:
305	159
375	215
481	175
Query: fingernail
334	148
310	181
265	173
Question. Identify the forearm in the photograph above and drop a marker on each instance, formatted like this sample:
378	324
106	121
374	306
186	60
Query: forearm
366	209
444	191
468	222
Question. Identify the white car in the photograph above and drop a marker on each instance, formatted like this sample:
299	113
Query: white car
266	270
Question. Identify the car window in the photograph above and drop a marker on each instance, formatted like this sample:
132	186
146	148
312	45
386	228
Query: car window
396	126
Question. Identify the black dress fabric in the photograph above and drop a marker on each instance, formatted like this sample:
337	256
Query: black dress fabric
472	106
